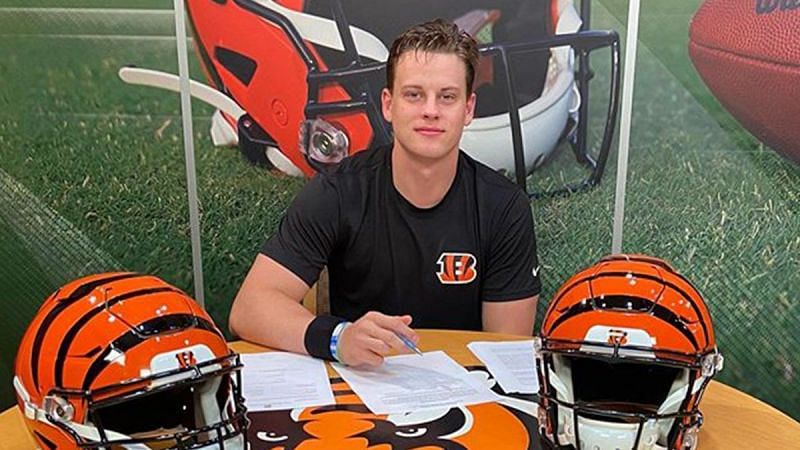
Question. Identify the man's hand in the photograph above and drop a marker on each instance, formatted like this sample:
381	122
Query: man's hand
367	340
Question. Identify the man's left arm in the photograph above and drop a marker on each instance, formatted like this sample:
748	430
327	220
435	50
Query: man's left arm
510	317
511	287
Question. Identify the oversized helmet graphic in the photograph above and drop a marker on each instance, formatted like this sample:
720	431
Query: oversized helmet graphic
123	360
626	351
305	78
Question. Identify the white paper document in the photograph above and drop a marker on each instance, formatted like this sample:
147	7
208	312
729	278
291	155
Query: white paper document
278	380
408	383
511	363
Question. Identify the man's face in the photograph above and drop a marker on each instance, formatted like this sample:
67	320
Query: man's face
428	105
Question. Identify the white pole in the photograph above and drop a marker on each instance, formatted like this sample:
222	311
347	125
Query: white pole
625	123
188	147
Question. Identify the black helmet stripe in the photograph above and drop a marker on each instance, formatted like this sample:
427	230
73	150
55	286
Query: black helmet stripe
650	260
143	332
50	445
79	324
631	303
201	50
680	290
76	295
239	65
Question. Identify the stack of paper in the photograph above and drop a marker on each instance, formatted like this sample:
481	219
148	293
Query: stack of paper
402	384
278	380
511	363
408	383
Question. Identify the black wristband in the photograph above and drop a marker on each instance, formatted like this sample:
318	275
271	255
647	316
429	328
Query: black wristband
318	336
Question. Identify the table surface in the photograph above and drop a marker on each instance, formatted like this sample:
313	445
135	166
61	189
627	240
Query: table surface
733	419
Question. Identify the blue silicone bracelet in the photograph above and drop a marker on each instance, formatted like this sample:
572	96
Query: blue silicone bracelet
337	332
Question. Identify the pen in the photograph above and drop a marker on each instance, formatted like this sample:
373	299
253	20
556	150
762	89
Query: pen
408	343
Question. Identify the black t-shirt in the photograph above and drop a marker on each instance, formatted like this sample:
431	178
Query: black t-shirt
384	254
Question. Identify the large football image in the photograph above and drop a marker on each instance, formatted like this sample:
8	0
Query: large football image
748	53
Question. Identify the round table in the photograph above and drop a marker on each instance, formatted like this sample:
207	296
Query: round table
733	420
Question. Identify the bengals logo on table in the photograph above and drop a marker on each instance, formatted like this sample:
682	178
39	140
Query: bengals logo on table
456	268
509	424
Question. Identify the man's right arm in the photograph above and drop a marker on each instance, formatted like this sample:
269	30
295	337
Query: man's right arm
267	311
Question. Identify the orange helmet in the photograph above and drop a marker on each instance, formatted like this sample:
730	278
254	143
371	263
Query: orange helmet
126	360
625	352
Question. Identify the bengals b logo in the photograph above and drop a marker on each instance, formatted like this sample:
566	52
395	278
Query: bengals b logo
186	359
617	337
456	268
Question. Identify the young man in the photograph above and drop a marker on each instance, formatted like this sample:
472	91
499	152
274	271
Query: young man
418	231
